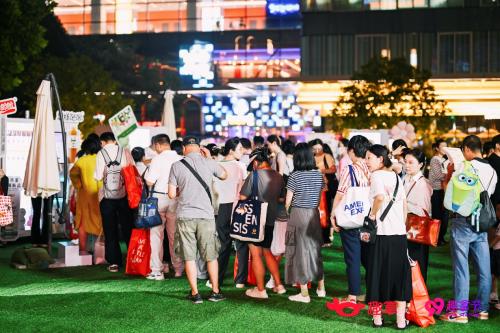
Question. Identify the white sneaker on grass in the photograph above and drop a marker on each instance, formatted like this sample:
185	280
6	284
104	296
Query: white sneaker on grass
208	284
157	276
300	298
255	293
240	286
321	293
280	290
270	284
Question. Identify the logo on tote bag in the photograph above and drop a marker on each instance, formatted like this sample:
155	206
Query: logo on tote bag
246	222
354	208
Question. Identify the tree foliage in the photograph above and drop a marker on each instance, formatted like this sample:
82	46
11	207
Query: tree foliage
83	84
21	39
385	92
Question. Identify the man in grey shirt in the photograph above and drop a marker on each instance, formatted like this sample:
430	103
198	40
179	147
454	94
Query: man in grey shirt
195	215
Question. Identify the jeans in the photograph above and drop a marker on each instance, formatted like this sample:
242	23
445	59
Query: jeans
353	258
223	224
115	212
41	211
463	242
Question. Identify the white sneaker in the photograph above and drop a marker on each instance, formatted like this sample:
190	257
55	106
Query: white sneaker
240	286
255	293
155	276
321	293
280	290
208	284
270	284
300	298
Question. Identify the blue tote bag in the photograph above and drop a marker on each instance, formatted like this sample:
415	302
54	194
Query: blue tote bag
147	212
249	216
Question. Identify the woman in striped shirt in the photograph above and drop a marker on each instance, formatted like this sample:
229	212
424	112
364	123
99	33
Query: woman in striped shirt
304	262
355	252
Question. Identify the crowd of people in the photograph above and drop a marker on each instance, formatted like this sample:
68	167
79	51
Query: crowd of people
197	187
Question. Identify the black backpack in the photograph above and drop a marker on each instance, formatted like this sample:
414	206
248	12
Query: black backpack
486	217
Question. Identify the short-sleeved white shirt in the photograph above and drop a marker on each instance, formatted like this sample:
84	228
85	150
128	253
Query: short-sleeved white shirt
229	188
159	170
383	182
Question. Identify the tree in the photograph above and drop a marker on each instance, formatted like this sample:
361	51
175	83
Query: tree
22	38
385	92
83	86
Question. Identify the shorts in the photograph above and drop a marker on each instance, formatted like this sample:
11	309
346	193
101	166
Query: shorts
268	238
495	262
196	235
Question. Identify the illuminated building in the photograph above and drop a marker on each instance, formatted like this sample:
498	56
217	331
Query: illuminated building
270	48
458	41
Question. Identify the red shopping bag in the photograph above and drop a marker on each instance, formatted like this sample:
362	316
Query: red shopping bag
139	253
423	229
133	185
417	313
251	276
323	211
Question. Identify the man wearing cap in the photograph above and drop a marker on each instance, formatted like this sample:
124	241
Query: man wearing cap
195	215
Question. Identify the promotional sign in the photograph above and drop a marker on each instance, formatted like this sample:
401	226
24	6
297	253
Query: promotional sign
8	106
123	124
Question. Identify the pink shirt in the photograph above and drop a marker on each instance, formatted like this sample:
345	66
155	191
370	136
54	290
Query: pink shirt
418	194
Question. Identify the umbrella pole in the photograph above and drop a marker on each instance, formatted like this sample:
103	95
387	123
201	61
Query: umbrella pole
62	213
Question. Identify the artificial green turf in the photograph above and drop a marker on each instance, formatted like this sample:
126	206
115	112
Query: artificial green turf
90	299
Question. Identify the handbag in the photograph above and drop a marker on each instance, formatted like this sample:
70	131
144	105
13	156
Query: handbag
147	214
139	253
351	211
368	232
133	183
6	216
249	216
417	311
323	211
423	229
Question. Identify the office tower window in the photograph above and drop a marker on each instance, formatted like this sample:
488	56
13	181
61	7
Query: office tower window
494	51
480	50
455	53
369	46
437	3
346	54
428	52
463	53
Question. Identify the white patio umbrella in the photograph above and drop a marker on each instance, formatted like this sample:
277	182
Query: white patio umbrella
168	116
41	178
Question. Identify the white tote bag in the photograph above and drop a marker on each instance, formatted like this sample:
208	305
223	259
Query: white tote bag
355	204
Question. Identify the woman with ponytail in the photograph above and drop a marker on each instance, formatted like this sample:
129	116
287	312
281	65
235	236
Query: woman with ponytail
228	192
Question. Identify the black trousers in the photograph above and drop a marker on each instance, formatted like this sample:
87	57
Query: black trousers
223	225
242	252
439	212
115	214
420	253
41	213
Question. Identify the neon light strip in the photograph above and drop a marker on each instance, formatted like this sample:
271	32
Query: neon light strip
256	54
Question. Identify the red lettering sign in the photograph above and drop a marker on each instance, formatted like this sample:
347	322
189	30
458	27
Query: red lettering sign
8	106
